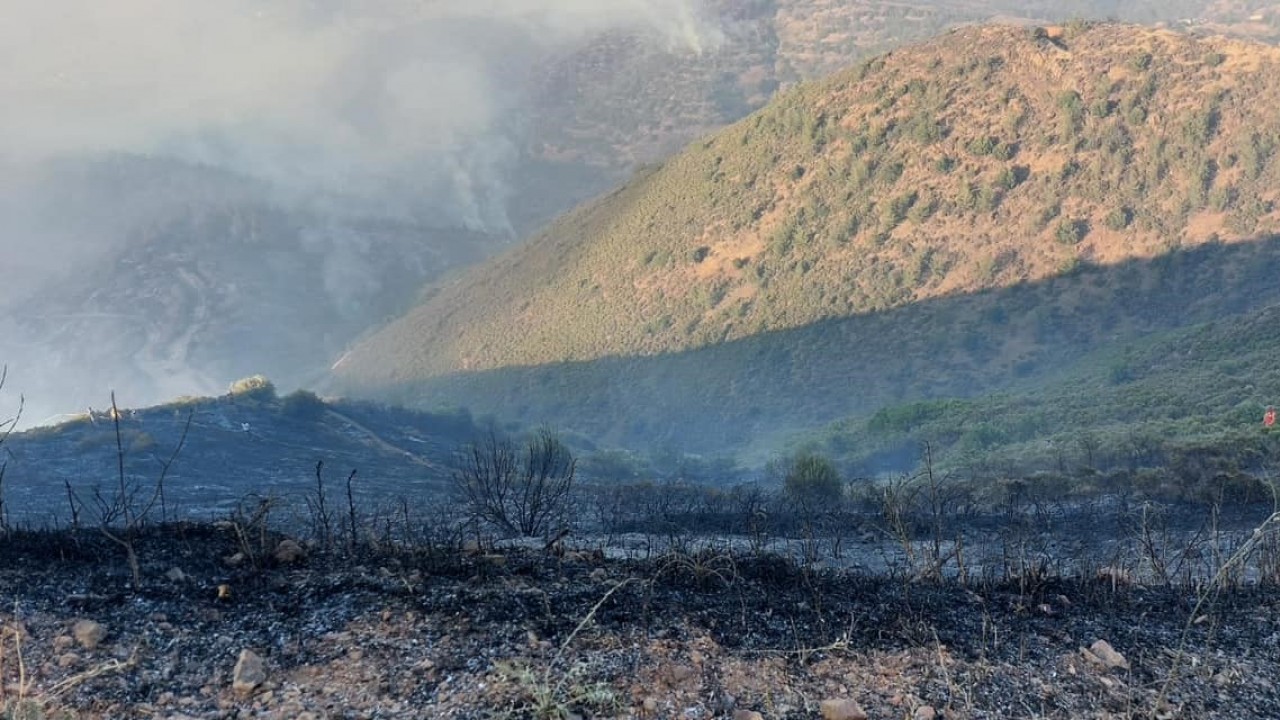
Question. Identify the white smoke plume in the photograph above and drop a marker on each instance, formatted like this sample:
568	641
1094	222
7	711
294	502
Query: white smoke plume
368	97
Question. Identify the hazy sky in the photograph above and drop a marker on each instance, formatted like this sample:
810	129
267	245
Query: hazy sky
335	94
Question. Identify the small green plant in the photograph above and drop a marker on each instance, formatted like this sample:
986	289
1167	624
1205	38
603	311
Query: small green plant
547	700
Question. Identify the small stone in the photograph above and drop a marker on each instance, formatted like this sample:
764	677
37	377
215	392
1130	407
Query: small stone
289	552
234	560
843	709
747	715
925	712
66	660
89	633
1108	655
650	705
250	672
599	575
175	574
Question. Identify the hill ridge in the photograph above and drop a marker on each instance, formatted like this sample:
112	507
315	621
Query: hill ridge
876	188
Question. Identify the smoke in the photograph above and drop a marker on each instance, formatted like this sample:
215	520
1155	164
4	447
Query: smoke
132	121
392	100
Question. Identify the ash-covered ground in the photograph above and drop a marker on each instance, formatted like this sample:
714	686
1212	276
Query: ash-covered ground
231	620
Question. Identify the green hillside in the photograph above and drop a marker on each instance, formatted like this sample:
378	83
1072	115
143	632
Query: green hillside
1200	390
988	157
949	219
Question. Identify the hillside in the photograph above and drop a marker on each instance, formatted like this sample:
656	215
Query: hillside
983	159
157	276
620	101
238	450
855	223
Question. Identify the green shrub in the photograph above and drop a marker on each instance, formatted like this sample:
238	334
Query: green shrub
1139	62
813	481
980	146
1119	218
1070	232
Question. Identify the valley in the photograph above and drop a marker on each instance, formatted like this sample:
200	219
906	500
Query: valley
750	359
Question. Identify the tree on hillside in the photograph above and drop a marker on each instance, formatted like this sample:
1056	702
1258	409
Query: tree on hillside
812	482
518	490
815	490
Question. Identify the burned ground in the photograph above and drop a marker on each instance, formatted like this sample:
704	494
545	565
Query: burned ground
475	633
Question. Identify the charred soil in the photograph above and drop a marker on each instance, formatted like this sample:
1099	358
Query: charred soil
520	633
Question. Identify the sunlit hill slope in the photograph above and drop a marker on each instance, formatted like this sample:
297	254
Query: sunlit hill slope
948	211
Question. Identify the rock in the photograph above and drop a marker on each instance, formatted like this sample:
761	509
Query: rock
289	552
235	560
250	672
844	709
650	705
599	575
175	574
1107	655
925	712
66	660
89	633
747	715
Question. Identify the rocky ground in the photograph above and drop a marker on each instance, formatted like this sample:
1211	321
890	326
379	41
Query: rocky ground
287	631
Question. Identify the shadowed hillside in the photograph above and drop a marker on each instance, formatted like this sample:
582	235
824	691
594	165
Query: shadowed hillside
228	453
1105	326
